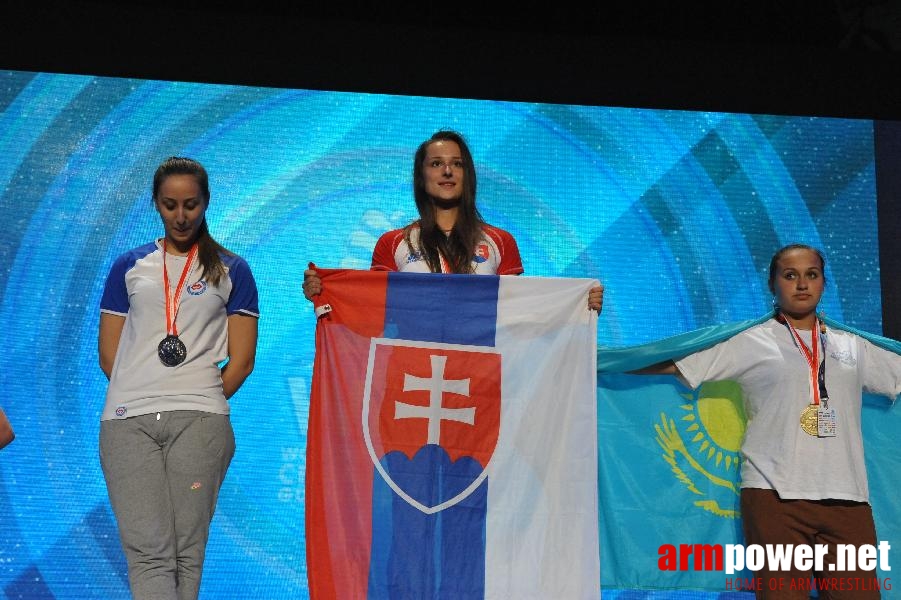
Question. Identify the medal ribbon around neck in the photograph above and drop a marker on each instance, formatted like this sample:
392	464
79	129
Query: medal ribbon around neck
173	300
812	356
445	268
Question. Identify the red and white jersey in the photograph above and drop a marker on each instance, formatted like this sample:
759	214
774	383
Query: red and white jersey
496	253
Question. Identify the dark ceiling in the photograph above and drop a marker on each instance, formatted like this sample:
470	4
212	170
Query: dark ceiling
820	57
863	24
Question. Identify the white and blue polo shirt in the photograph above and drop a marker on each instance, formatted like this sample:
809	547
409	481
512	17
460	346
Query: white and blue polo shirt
139	382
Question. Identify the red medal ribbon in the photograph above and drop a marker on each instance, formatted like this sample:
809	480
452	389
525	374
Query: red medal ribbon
445	268
812	356
172	302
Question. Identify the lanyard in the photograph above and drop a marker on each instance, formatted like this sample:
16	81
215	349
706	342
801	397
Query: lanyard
812	356
172	301
445	268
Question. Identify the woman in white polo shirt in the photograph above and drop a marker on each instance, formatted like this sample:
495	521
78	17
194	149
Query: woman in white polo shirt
173	312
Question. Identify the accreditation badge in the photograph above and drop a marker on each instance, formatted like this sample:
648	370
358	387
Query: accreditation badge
827	424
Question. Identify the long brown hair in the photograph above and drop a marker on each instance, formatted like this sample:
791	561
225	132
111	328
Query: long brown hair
459	247
208	249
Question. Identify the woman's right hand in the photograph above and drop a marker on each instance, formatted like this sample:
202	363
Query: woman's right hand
312	285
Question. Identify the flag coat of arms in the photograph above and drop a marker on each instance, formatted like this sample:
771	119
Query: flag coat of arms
452	445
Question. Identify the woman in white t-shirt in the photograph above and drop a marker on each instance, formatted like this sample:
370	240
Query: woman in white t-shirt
803	479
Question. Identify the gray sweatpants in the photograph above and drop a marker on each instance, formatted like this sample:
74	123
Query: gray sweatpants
163	472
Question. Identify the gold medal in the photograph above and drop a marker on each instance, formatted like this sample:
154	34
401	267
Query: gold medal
809	420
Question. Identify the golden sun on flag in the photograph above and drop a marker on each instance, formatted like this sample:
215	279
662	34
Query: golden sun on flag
705	443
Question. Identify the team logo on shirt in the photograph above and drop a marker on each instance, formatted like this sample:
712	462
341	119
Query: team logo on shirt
195	289
846	357
413	257
482	254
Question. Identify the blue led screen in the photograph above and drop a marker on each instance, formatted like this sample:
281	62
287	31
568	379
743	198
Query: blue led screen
676	212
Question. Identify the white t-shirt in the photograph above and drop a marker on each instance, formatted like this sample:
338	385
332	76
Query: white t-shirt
139	382
776	382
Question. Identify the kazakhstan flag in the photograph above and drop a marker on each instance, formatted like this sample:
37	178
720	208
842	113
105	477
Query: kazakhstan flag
670	462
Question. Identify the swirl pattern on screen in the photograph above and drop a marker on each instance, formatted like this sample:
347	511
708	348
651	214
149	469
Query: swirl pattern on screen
676	212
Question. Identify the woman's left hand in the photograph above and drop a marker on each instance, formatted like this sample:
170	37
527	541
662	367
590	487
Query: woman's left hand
596	298
312	284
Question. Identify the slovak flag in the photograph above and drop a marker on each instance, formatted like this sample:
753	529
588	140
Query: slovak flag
452	443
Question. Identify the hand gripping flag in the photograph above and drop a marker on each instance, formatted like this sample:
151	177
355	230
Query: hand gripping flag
452	449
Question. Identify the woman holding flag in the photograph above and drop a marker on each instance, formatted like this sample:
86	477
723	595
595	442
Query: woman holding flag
803	478
433	392
450	235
